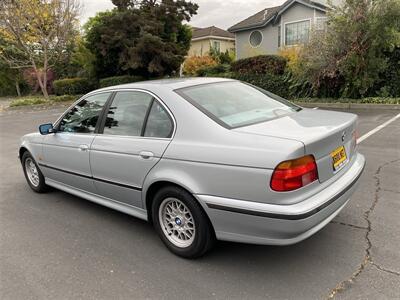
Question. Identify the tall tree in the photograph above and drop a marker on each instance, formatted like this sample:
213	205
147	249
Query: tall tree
35	34
143	37
352	55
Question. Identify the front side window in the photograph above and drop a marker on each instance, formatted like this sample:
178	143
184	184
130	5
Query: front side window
127	113
297	33
235	104
83	117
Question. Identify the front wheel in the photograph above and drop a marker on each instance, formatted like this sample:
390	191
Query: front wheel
32	173
181	223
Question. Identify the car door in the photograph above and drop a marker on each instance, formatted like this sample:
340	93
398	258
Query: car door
66	152
136	130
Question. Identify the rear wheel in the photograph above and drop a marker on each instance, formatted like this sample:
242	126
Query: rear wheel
32	173
181	222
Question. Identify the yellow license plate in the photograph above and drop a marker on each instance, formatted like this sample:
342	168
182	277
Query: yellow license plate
339	157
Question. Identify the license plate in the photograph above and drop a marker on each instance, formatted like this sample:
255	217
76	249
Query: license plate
339	157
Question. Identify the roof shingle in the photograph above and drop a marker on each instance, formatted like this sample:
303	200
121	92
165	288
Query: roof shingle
264	16
210	31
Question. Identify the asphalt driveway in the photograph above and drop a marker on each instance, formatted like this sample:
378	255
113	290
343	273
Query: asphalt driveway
57	246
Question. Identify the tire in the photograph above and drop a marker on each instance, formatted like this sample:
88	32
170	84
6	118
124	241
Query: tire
177	208
32	173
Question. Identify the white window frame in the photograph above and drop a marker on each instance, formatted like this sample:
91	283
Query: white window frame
214	42
292	22
262	38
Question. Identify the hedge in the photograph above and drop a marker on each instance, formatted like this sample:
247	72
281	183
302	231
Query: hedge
262	64
213	70
116	80
275	84
73	86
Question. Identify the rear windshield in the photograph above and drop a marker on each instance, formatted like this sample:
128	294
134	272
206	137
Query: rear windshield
235	104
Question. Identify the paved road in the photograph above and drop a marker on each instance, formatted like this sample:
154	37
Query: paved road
57	246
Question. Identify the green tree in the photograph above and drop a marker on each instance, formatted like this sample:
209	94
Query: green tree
352	55
144	38
35	34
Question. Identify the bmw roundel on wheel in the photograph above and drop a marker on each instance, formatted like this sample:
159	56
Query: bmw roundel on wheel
202	159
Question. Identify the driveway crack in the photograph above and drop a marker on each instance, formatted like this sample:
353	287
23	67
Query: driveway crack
367	259
350	225
380	268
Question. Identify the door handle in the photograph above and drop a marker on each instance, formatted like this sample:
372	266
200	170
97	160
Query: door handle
146	154
83	147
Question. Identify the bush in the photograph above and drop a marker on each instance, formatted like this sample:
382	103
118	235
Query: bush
35	100
367	100
262	64
116	80
64	98
73	86
213	70
194	63
30	100
273	83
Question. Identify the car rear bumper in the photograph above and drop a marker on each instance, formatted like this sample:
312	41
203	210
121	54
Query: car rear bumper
271	224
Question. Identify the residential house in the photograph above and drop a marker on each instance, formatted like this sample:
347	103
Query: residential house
211	37
286	25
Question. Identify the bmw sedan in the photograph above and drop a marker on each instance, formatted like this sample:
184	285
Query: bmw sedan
202	159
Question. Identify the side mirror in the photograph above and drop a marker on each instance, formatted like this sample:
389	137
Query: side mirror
46	129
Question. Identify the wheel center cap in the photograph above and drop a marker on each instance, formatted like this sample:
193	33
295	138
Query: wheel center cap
178	221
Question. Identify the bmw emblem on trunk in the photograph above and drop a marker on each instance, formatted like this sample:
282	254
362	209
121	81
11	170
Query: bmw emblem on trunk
343	136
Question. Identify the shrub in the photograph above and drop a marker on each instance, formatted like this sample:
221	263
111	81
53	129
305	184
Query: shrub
64	98
194	63
213	70
262	64
292	56
273	83
30	100
116	80
73	86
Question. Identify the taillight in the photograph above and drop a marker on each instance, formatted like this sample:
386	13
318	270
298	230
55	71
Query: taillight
293	174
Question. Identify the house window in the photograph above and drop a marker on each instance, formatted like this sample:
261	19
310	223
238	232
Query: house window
255	38
297	33
216	46
279	36
321	24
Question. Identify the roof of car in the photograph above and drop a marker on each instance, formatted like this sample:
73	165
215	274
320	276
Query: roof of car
171	84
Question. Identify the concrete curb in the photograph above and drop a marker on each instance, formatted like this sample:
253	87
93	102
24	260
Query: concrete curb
350	105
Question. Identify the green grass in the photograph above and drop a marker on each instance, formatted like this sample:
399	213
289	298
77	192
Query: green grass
35	100
369	100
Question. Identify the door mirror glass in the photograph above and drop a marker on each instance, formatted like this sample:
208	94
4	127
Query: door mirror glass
46	129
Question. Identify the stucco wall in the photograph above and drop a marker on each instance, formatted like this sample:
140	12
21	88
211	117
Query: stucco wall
202	47
269	44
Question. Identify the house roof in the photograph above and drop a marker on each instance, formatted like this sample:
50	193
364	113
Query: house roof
199	33
267	15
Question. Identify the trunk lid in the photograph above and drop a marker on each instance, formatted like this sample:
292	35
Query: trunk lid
320	131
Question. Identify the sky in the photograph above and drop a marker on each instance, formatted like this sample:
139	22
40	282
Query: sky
220	13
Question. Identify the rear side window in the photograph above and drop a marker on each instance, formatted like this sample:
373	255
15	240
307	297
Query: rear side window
127	113
159	123
235	104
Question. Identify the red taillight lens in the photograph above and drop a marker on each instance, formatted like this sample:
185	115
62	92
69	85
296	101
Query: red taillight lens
293	174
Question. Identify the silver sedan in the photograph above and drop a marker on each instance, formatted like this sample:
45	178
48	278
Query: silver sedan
202	159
